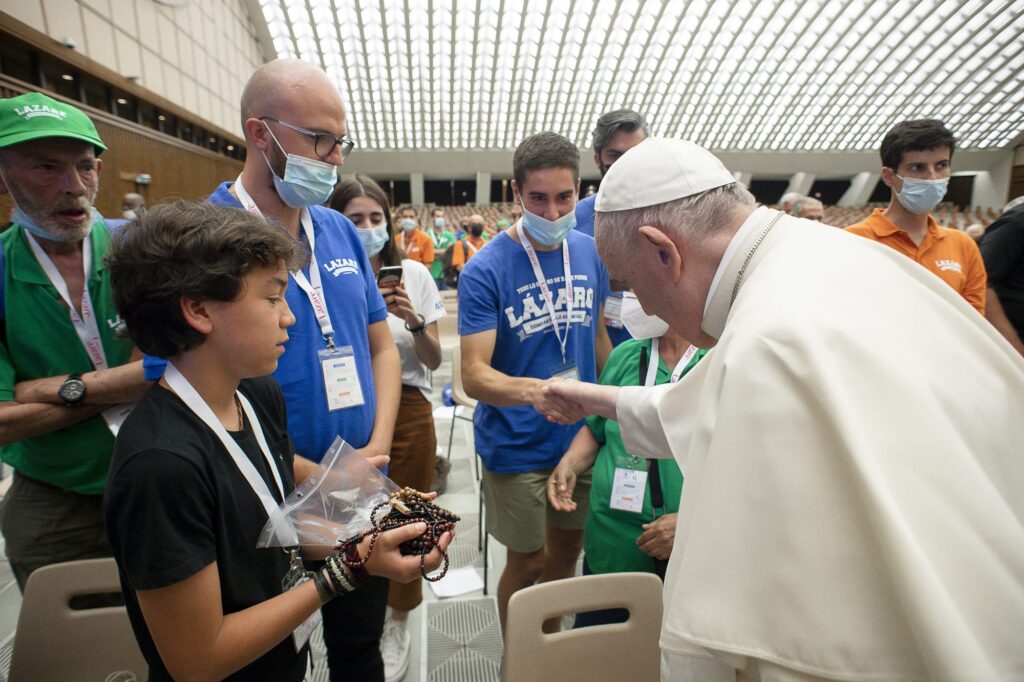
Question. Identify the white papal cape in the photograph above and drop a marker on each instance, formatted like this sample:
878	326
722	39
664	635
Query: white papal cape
853	450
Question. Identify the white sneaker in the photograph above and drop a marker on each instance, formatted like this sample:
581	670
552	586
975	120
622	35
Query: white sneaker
394	649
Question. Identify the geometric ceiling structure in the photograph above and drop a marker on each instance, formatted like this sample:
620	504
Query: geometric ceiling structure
731	75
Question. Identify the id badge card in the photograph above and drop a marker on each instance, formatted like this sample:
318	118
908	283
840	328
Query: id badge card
341	378
566	371
295	576
613	311
629	484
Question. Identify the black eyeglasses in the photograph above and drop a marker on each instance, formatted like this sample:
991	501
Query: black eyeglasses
323	143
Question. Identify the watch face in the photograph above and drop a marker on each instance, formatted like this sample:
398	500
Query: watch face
72	391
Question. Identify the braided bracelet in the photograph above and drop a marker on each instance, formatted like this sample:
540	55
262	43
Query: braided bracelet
336	572
324	587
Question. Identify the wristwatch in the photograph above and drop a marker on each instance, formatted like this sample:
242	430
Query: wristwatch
72	391
416	331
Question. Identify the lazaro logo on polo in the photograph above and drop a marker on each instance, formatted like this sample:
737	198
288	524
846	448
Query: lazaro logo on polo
951	265
34	110
342	266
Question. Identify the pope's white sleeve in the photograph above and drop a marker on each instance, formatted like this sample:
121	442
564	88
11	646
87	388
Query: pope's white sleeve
639	422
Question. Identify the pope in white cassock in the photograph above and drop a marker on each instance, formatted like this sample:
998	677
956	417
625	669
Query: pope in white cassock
853	444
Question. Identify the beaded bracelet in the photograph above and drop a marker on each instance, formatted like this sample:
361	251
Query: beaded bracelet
356	565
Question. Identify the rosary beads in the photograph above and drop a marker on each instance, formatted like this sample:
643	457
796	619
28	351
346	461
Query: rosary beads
404	507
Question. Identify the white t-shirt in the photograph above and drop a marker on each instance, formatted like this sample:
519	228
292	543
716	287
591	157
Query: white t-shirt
427	302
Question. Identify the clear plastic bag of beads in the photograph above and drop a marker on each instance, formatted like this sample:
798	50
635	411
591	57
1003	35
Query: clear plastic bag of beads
332	504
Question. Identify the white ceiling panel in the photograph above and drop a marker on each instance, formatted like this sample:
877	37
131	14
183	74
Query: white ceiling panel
737	75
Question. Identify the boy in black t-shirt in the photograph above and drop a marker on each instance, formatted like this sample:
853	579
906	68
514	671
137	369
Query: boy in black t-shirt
205	455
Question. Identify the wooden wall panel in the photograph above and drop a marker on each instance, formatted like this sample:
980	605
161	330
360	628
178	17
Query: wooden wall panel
1017	182
177	168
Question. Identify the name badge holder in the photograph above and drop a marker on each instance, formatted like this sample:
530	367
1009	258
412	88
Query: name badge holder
629	484
341	377
181	386
85	323
567	370
341	380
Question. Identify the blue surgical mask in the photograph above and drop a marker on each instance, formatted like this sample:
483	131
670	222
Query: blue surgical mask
408	225
922	196
306	181
439	222
547	232
374	239
19	217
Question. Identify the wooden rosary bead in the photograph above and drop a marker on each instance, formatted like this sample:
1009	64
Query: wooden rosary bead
404	507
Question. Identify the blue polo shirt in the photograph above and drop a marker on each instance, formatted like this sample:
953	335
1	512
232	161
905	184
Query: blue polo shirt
498	291
354	302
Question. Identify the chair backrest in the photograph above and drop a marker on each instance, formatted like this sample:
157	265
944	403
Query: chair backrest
620	651
459	396
448	330
55	643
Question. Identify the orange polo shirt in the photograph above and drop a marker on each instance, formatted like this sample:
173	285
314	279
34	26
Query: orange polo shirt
459	256
418	247
950	254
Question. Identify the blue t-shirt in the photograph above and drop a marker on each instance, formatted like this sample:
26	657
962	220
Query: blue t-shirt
585	214
354	302
498	290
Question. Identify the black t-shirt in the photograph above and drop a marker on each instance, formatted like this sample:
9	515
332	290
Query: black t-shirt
1002	249
176	502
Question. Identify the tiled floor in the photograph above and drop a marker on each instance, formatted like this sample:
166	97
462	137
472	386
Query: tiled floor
460	497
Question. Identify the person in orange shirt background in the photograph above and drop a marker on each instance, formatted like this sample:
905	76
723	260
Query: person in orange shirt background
916	163
471	243
415	242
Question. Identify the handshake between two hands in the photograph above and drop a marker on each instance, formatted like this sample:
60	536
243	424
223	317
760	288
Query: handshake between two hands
564	401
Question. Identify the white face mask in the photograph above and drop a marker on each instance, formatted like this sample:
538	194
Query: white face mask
639	324
922	196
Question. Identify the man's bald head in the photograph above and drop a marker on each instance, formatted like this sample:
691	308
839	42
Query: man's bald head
288	88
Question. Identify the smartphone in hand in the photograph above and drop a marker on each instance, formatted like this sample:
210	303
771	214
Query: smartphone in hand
389	276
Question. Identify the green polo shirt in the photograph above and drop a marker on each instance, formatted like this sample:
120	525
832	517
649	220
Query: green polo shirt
609	536
39	341
441	242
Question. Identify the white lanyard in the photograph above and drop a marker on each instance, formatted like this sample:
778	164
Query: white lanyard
314	291
652	366
405	242
470	245
544	291
195	402
84	323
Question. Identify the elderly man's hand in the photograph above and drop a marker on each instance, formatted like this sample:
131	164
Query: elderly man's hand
569	401
658	536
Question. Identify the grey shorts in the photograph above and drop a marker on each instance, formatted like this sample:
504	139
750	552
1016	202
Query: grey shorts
518	510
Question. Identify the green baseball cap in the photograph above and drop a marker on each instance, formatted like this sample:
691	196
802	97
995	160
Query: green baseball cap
34	115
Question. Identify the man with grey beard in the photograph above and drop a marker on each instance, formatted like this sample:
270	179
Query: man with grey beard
66	379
